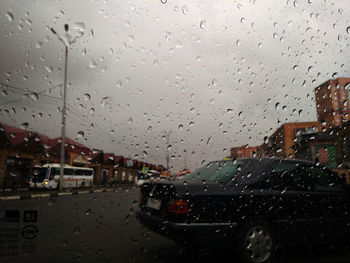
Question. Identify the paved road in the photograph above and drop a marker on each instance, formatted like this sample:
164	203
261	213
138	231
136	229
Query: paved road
101	227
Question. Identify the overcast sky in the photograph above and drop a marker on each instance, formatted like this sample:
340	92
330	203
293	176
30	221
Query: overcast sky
217	74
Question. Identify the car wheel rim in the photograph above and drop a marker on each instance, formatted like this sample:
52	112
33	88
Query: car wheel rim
258	244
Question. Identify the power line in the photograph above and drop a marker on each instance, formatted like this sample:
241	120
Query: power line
40	92
101	129
26	92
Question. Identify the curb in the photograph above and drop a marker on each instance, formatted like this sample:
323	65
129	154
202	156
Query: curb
45	195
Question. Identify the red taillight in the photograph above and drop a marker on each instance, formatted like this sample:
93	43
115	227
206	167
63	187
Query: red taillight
179	207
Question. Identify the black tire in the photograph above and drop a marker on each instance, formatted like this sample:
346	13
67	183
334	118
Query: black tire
256	242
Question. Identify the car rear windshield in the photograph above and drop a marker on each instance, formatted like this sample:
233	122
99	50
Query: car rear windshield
219	172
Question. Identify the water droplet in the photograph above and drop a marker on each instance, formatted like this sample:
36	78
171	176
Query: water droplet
296	67
106	102
266	139
149	129
277	106
242	19
9	16
168	36
185	10
76	230
88	212
49	69
203	24
300	113
34	96
39	44
130	120
87	97
92	63
348	30
275	35
181	127
208	141
79	26
163	1
25	125
91	33
80	134
240	114
119	83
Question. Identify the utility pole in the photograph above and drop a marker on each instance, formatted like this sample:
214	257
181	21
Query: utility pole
66	44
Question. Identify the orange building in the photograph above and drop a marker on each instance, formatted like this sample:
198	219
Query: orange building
244	151
332	102
281	142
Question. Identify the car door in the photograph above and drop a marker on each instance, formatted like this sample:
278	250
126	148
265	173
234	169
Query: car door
291	215
332	201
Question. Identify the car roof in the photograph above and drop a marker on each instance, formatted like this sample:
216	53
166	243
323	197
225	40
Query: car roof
268	159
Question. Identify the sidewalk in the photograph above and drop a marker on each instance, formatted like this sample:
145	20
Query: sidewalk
25	193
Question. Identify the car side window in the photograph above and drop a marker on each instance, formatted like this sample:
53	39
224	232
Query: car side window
323	180
285	177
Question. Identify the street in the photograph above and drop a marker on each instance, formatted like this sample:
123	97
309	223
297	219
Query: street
101	227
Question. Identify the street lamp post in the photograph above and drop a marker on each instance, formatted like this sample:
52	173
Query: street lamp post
64	109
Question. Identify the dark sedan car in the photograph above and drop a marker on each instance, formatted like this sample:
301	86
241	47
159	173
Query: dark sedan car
253	205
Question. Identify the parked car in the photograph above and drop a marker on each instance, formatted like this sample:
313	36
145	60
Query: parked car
252	205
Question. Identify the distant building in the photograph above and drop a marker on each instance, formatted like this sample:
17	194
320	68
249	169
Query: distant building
332	102
281	142
244	151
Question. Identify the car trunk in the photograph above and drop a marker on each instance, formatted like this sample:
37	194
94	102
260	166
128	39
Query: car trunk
207	203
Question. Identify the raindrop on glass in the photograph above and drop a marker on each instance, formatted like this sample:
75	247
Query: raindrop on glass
25	125
39	44
277	106
92	63
9	16
80	134
87	97
185	10
203	24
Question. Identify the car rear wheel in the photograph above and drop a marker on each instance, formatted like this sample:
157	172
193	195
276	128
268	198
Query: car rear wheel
256	243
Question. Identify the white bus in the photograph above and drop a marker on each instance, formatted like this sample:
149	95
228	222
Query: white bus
48	177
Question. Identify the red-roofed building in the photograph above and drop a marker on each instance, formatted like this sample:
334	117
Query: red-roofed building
76	154
21	149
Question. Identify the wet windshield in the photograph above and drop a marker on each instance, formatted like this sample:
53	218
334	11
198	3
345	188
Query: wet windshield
123	96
